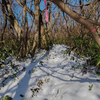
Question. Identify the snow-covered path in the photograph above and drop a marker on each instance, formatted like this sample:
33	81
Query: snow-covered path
53	76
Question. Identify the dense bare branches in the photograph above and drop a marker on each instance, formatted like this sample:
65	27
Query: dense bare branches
77	17
28	15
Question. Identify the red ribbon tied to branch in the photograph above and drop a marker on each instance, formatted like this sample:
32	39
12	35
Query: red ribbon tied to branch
46	11
92	30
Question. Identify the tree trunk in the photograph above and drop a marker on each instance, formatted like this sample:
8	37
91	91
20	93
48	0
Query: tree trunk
24	38
36	36
11	17
4	24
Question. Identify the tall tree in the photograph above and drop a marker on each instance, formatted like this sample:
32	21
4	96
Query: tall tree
81	19
36	37
5	22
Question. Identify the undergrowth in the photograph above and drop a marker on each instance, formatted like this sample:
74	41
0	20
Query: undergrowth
82	46
86	47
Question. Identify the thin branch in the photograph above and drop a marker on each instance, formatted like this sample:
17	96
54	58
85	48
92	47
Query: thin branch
26	8
86	4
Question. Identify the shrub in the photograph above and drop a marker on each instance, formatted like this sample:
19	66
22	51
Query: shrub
6	98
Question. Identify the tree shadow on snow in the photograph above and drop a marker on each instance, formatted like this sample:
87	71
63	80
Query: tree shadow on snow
23	84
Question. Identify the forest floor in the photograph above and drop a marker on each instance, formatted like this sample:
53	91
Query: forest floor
51	75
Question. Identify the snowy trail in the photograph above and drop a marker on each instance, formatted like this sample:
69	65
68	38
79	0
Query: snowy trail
60	80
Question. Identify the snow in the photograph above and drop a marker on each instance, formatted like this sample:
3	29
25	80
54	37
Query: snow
51	73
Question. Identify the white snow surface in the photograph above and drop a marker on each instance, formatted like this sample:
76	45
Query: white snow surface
64	82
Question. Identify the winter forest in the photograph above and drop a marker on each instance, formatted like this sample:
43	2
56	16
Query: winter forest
49	49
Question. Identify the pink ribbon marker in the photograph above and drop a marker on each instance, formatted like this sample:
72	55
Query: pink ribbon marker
92	30
46	12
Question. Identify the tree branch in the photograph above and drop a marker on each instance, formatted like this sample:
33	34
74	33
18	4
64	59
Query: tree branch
77	18
31	12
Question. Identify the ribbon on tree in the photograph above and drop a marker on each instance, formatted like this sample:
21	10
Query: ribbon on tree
92	30
46	11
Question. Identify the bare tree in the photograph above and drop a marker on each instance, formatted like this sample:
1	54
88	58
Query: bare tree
4	24
36	37
79	18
